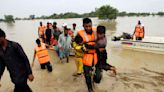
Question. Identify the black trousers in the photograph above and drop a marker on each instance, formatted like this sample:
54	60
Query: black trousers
42	36
22	87
138	38
102	61
46	65
48	39
96	78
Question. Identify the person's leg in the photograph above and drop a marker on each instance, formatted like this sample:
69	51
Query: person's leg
140	38
42	36
80	66
67	59
22	87
106	67
48	40
87	74
76	63
42	66
67	53
61	55
49	67
98	75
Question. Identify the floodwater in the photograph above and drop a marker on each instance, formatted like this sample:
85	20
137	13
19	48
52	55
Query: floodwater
137	71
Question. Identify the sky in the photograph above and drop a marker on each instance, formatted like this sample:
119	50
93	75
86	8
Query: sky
24	8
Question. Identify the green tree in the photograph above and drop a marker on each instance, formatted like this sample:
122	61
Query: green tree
107	12
9	18
160	13
32	17
1	20
122	13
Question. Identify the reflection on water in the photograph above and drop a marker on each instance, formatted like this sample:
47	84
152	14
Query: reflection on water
10	25
110	25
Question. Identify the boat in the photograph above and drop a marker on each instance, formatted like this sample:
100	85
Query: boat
148	44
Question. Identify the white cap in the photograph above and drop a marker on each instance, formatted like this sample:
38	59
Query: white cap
64	25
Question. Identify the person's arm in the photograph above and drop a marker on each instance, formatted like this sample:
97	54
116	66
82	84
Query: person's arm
25	59
33	58
26	62
89	46
2	68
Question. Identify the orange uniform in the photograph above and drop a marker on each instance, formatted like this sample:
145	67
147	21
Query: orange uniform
42	54
139	31
90	57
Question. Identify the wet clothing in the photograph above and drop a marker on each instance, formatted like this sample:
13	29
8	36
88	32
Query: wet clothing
139	38
102	55
48	34
102	60
90	58
41	31
78	55
56	32
43	57
88	72
89	38
46	65
78	47
65	43
22	88
139	32
17	63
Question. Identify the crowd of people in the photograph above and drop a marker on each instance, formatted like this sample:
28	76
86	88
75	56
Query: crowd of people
89	46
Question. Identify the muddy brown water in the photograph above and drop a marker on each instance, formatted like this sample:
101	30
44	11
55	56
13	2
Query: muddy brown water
137	71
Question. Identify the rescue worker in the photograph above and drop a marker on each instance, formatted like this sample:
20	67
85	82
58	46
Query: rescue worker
90	56
139	31
41	31
42	53
13	57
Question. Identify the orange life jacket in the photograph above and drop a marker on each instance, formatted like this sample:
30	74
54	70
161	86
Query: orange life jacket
90	57
41	29
42	54
139	31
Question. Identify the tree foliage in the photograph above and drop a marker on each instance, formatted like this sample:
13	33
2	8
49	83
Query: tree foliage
160	13
32	17
9	18
107	12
